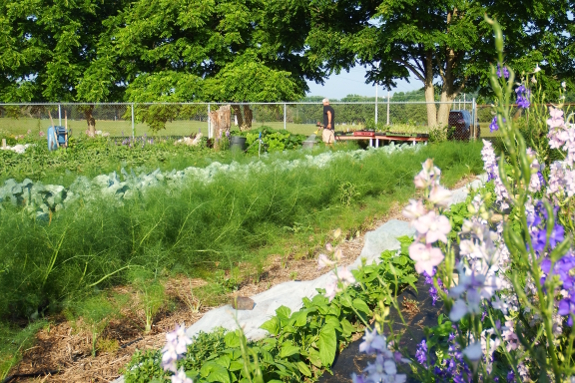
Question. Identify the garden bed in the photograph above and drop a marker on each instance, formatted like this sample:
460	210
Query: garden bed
293	244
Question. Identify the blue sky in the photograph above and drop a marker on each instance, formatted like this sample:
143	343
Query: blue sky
339	86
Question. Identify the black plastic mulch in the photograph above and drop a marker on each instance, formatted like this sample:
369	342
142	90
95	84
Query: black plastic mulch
417	316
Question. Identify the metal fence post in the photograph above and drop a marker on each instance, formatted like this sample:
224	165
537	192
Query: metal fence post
388	107
375	119
209	122
59	114
285	116
473	117
133	126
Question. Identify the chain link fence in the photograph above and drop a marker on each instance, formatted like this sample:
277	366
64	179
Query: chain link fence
185	119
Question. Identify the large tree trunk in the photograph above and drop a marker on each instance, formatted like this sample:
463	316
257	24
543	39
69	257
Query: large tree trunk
448	93
248	117
220	121
238	114
90	120
430	91
447	100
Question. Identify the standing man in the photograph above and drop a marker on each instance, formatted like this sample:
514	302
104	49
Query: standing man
328	135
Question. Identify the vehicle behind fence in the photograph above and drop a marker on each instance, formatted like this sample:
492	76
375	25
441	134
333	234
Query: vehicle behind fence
185	119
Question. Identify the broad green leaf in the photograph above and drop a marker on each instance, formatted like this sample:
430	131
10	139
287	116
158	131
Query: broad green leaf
220	375
288	349
300	318
303	368
327	345
224	361
314	357
361	306
401	260
283	312
347	328
236	365
232	339
272	326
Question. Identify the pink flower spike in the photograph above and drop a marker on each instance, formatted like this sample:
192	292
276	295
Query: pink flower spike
345	275
440	196
421	181
434	227
181	377
414	210
425	257
555	113
331	289
324	261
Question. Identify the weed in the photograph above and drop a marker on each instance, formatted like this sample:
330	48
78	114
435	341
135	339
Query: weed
96	313
13	341
108	345
151	294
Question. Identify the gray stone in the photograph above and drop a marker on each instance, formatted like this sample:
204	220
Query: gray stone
243	303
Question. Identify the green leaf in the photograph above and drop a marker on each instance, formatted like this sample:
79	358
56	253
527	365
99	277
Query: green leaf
314	357
303	368
299	318
283	312
213	372
288	349
401	260
236	365
327	345
220	375
272	326
232	339
224	361
361	306
347	328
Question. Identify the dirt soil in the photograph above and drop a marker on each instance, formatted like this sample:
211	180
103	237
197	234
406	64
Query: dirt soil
62	351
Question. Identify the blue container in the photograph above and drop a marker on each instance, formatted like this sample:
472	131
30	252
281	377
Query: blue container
57	136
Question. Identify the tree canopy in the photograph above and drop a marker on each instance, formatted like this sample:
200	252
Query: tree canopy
266	50
440	42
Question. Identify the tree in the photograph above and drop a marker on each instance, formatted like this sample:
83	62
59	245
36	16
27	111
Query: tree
226	50
52	52
438	39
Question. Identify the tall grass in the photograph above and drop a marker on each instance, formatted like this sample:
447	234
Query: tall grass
89	247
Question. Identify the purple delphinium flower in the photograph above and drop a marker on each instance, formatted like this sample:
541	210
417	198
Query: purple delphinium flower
522	97
372	342
505	71
541	178
493	126
557	236
510	376
421	353
567	307
434	295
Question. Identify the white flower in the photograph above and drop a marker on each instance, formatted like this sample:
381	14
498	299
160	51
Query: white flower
181	377
414	210
324	261
440	196
537	69
564	85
